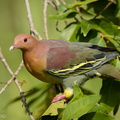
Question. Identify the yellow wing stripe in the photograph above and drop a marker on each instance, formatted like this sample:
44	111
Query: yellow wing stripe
97	62
80	68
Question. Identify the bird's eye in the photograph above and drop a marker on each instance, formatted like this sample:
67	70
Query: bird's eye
25	39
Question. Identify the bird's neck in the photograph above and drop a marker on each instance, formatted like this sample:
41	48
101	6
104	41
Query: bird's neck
35	61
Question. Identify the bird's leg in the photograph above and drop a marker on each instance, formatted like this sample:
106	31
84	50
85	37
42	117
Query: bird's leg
66	95
58	98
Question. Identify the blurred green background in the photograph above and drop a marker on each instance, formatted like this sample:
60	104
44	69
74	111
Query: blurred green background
13	21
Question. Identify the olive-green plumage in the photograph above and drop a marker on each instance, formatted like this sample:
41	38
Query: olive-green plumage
63	62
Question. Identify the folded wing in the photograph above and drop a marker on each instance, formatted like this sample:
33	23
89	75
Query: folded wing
72	59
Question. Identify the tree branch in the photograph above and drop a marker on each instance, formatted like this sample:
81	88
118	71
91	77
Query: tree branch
52	4
104	8
16	82
63	2
57	2
33	31
9	70
23	99
45	18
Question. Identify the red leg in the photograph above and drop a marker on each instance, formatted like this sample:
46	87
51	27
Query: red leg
57	98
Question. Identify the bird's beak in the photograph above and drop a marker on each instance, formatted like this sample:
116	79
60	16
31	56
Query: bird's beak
12	47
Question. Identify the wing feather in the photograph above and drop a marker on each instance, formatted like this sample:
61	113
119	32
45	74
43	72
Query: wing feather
74	59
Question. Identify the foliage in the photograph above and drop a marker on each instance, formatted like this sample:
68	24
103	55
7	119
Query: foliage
94	21
97	22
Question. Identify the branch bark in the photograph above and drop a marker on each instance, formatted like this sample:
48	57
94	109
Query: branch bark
33	31
45	18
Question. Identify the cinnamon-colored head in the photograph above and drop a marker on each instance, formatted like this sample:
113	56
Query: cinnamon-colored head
24	42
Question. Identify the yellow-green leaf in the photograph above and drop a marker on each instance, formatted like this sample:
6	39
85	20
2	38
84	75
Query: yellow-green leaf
80	107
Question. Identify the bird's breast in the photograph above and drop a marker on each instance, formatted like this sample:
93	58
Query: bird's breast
35	66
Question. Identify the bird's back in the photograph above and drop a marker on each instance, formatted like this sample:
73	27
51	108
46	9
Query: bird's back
74	58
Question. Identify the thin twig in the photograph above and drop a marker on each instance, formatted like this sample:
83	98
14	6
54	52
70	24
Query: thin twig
45	18
3	83
77	8
33	31
9	70
52	4
6	85
57	2
16	82
4	61
63	2
104	8
23	99
57	27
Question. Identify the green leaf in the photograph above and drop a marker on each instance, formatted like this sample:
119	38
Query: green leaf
70	32
98	40
62	8
85	27
103	29
69	14
109	31
86	15
98	108
77	93
116	63
80	107
110	93
76	4
116	109
118	8
97	116
107	27
53	108
102	116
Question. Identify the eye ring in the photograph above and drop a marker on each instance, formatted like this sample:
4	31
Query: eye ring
25	39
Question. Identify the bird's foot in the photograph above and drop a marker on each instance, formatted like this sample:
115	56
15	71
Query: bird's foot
68	92
58	98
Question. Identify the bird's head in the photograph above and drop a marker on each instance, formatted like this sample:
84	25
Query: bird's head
24	42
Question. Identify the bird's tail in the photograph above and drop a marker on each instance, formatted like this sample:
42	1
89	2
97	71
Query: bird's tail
109	70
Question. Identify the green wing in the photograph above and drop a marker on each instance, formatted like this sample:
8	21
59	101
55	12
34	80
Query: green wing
76	58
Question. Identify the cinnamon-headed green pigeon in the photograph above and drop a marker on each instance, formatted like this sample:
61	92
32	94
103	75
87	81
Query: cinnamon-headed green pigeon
63	62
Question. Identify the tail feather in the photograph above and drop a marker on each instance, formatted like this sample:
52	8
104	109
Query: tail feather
109	70
110	55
